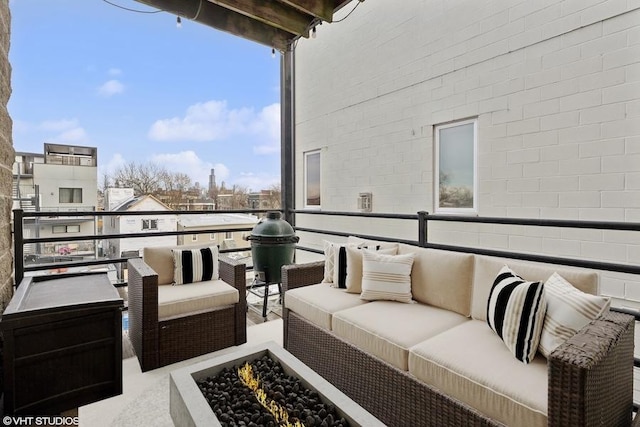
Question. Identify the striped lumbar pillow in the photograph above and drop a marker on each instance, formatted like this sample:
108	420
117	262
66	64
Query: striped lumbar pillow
515	311
195	265
350	277
386	277
568	311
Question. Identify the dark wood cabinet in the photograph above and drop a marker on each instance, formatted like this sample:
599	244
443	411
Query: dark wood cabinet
62	344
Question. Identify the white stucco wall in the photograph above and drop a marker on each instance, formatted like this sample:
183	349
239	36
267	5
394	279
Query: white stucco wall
52	177
554	85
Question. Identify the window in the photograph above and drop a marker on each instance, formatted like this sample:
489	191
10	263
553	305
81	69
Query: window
70	195
228	235
212	236
312	179
149	224
194	237
56	229
455	167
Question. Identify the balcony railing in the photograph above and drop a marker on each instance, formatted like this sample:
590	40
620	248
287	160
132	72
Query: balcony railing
423	226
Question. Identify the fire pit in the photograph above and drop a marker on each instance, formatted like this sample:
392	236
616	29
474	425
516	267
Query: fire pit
189	407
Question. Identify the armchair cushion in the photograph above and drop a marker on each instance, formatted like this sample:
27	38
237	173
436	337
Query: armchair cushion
195	265
176	301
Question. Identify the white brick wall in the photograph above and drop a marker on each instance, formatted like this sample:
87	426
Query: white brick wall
555	86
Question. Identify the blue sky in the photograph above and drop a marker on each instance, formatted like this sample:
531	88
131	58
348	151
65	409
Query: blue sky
140	89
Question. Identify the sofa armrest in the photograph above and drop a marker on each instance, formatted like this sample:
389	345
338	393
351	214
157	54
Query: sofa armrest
143	311
591	375
299	275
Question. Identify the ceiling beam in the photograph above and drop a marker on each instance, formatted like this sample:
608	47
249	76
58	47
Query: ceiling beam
272	13
226	20
322	9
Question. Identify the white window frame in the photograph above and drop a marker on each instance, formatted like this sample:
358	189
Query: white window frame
436	160
228	235
212	236
61	229
151	224
306	179
194	237
70	191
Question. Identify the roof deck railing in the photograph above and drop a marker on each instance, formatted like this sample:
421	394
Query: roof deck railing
424	219
62	261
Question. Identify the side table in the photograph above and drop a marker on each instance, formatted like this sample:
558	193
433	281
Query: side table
62	343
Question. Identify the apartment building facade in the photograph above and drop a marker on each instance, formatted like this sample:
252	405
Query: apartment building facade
61	179
507	109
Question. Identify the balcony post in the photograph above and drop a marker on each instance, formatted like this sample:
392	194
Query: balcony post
423	238
287	135
18	245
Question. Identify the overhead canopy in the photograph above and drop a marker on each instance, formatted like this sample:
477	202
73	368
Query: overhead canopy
275	23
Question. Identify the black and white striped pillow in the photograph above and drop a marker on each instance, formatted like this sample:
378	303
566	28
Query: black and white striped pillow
515	311
195	265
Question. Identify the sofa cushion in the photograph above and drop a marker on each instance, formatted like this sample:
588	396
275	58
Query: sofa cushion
487	268
195	265
471	364
515	311
317	303
568	311
386	277
441	278
176	301
388	329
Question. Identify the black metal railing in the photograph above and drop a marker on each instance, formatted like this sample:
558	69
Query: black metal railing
424	219
19	217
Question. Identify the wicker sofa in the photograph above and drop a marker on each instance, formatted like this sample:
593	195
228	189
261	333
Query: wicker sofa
169	323
437	363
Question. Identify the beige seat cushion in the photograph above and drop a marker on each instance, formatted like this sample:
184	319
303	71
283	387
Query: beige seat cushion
487	268
471	364
174	301
317	303
441	278
387	329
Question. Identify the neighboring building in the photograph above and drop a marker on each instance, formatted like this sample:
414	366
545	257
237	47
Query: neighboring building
62	179
210	222
122	200
264	199
508	109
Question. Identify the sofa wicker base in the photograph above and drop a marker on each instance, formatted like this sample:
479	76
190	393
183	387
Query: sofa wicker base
391	395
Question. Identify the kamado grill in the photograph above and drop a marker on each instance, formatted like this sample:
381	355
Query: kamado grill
273	244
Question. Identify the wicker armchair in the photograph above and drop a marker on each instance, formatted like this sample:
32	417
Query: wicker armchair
162	341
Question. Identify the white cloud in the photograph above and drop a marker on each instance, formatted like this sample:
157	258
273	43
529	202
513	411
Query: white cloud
63	130
110	167
110	88
115	71
257	182
72	136
58	125
268	125
214	121
188	162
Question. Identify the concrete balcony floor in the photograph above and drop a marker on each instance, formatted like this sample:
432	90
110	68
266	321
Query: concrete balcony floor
145	397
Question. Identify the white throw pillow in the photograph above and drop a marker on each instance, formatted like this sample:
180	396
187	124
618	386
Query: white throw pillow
330	249
386	277
351	279
568	311
515	311
195	265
